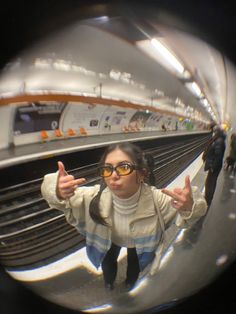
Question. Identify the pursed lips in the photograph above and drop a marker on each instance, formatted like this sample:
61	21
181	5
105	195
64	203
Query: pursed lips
115	186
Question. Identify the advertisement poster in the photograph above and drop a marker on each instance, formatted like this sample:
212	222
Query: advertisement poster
35	117
115	117
83	115
139	119
154	120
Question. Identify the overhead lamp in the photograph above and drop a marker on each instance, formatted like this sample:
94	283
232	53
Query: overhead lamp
194	88
167	55
204	102
163	55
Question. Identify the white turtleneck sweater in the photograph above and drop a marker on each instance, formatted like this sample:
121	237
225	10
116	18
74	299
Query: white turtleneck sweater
123	213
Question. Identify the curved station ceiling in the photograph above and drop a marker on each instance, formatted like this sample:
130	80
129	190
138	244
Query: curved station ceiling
138	61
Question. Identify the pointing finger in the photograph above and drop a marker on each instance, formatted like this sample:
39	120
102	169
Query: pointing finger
73	183
80	181
169	193
173	195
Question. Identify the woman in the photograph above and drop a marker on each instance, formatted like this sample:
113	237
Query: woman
123	210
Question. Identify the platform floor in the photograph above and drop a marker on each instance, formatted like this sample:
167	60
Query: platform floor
22	153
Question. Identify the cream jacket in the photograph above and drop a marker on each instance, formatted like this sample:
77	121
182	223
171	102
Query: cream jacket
154	210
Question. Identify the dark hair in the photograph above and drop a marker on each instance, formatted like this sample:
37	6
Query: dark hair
144	162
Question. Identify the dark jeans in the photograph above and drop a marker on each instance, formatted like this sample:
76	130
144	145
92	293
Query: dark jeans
109	265
210	185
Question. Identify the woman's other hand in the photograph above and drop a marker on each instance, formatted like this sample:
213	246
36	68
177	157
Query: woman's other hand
182	199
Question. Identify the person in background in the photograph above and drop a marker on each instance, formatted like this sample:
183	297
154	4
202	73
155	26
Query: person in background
163	127
213	158
230	161
122	211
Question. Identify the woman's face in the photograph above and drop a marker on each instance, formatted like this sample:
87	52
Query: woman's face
122	186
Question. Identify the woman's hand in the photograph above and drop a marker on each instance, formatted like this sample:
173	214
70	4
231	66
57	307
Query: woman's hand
182	199
66	184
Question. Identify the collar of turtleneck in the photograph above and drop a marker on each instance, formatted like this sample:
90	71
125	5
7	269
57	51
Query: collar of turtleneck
126	205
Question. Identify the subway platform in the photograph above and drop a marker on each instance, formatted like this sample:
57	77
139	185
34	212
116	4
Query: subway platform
23	153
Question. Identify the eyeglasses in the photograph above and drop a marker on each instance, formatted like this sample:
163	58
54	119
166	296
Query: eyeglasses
122	169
